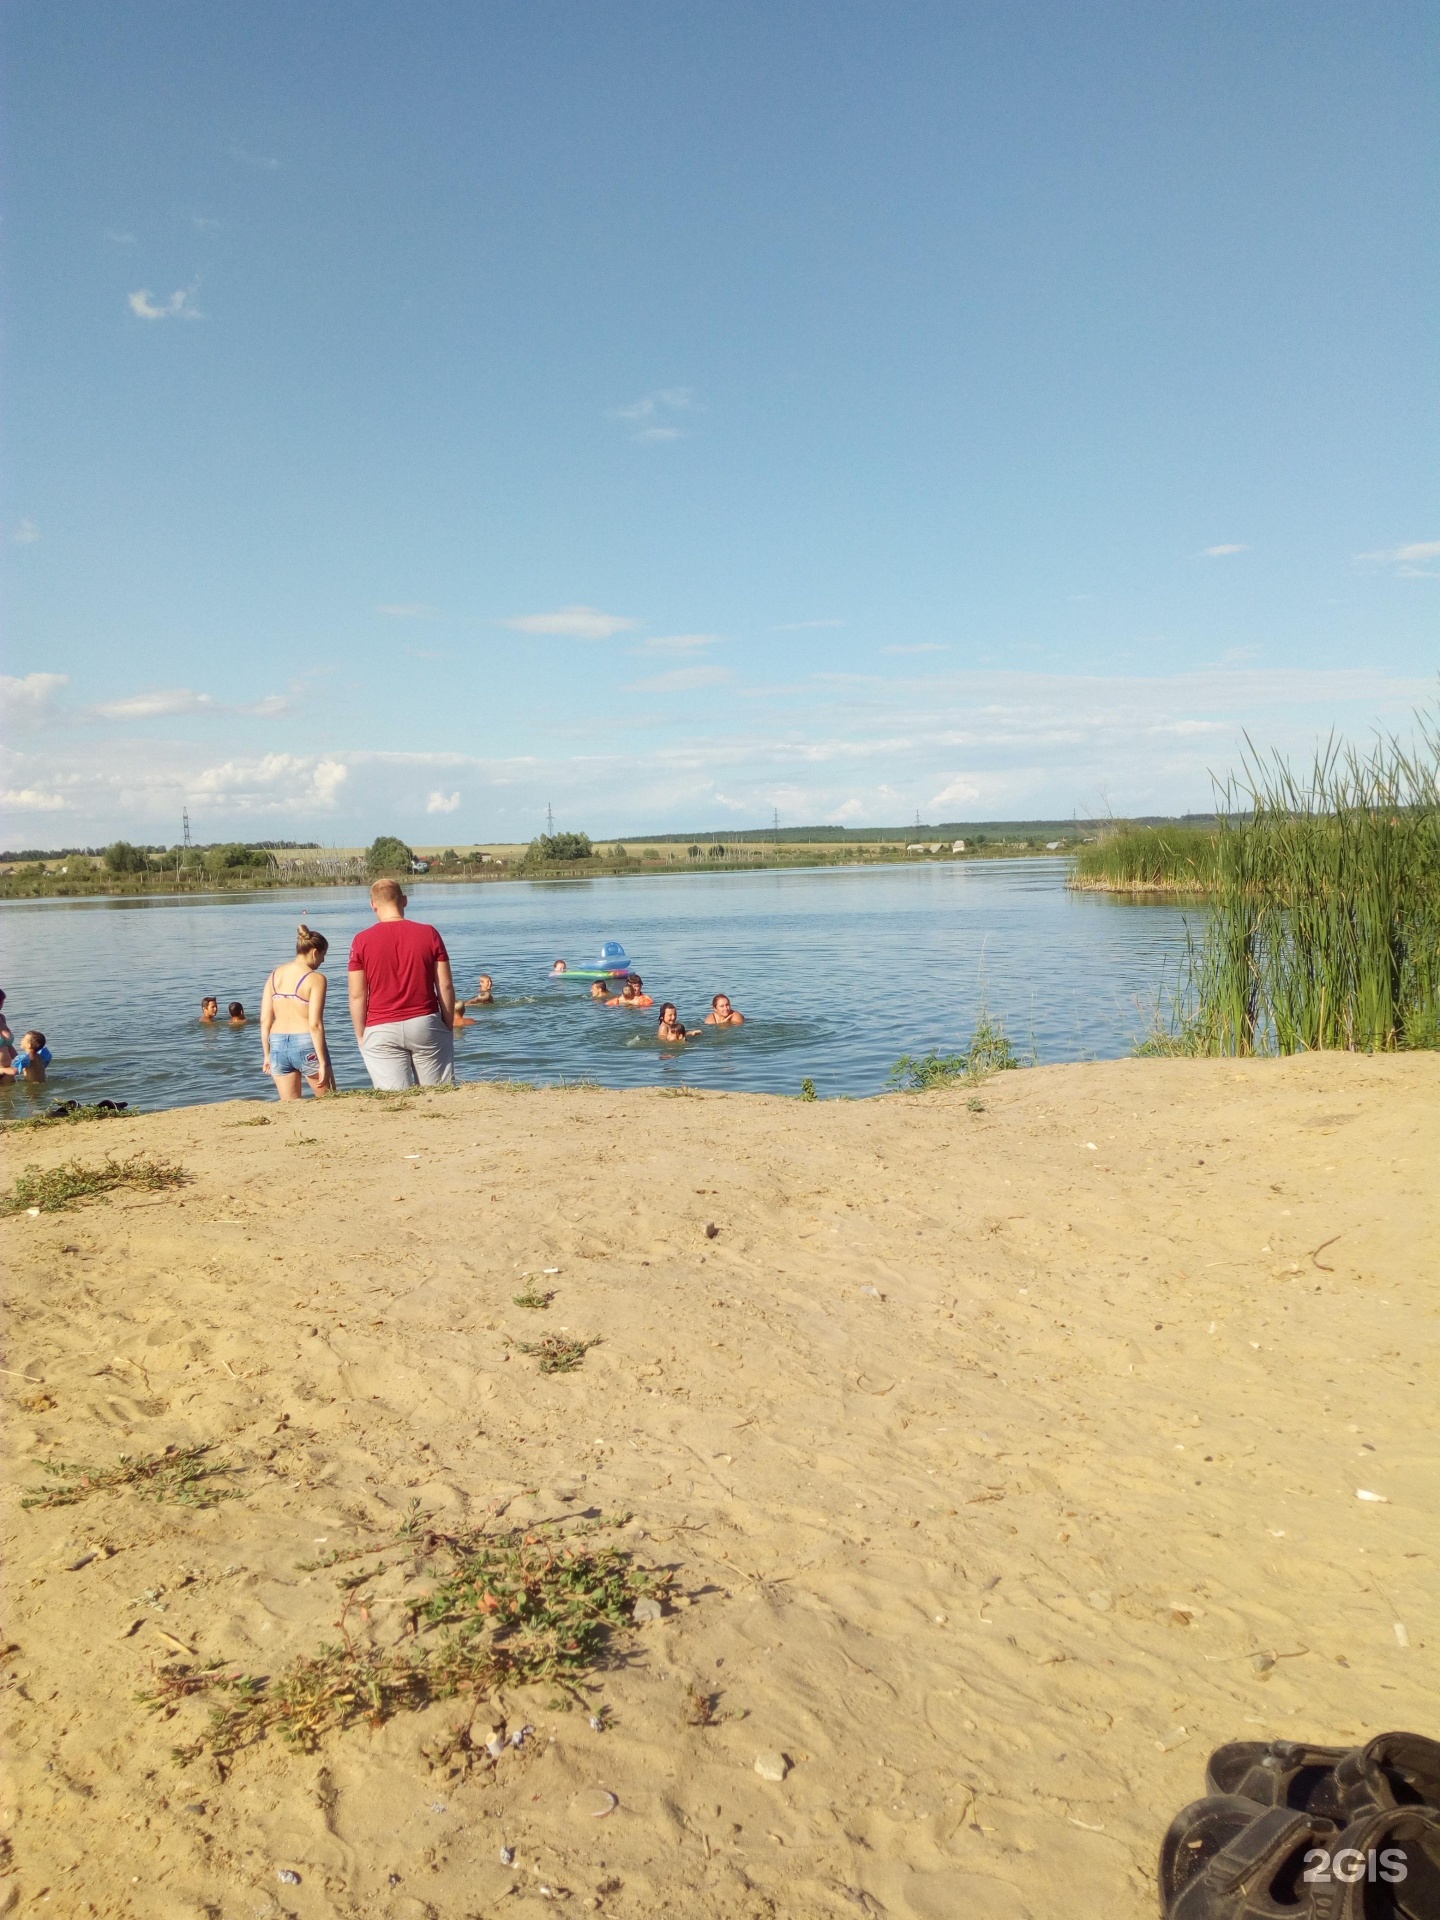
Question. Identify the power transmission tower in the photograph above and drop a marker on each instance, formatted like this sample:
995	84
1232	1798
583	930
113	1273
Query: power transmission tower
185	817
777	819
549	819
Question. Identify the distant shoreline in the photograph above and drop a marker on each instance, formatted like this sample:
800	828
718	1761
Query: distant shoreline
155	886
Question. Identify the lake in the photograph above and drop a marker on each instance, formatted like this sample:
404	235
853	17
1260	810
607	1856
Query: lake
838	971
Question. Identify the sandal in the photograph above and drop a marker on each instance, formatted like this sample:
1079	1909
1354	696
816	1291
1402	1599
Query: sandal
1258	1873
1384	1866
1340	1783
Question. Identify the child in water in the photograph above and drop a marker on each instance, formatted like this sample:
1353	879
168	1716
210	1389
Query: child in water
485	997
238	1015
722	1014
559	967
670	1030
30	1062
209	1010
599	991
632	994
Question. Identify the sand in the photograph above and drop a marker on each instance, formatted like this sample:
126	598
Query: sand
1007	1457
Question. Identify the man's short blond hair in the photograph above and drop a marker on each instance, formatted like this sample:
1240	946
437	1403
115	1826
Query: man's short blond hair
390	891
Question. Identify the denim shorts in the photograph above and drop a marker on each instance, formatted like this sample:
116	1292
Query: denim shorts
294	1053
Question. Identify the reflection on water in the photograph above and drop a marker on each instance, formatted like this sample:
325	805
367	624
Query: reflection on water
837	971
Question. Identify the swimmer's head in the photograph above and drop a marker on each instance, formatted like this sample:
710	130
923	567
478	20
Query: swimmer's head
634	980
721	1002
487	985
209	1006
598	990
559	967
237	1010
308	944
32	1042
668	1015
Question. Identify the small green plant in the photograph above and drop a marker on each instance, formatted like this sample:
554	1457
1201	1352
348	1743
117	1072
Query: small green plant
533	1298
974	1105
557	1352
807	1089
51	1189
179	1474
989	1052
514	1610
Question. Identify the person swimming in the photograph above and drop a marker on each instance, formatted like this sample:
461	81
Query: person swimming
484	998
632	994
559	967
209	1010
238	1015
670	1030
30	1062
722	1014
599	991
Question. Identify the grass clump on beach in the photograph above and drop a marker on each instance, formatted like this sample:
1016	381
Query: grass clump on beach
66	1115
990	1051
50	1189
557	1352
179	1474
536	1298
1150	860
510	1610
1325	926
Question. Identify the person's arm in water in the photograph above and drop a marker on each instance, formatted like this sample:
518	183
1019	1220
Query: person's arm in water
267	1020
359	1001
315	1006
445	987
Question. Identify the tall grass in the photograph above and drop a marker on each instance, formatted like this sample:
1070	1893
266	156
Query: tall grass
1150	859
1325	928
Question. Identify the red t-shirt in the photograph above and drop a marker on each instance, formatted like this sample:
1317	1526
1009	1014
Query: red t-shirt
398	959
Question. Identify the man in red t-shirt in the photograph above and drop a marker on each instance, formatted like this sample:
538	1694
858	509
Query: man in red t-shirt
402	996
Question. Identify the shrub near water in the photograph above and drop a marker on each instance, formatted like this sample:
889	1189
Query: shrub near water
1172	859
1325	931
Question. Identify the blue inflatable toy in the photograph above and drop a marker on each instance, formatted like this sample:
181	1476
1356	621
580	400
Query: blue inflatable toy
613	964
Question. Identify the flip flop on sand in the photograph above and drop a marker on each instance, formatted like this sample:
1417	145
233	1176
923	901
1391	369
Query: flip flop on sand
1224	1858
1339	1783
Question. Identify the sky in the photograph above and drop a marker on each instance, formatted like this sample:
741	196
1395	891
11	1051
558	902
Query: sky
419	417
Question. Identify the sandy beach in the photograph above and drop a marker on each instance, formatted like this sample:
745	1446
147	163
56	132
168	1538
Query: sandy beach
1006	1448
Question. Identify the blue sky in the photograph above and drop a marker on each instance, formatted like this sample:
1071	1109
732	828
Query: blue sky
416	416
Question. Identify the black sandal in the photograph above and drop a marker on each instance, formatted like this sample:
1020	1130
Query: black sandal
1339	1783
1385	1866
1258	1873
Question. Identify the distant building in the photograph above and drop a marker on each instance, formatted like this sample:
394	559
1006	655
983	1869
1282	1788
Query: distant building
958	847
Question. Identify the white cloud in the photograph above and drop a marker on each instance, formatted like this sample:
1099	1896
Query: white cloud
683	680
162	704
180	305
961	787
30	702
442	802
31	800
651	416
1219	553
1408	561
408	610
920	646
851	810
678	643
26	534
275	783
574	623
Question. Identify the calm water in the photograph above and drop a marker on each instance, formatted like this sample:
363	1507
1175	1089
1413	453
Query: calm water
838	973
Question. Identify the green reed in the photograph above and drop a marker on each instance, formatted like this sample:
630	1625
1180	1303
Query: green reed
1150	859
1325	926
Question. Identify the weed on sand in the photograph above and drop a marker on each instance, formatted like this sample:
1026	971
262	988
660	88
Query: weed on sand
66	1114
510	1610
50	1190
989	1051
179	1474
535	1299
557	1352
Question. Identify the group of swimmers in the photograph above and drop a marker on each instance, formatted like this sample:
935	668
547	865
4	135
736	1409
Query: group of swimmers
670	1031
28	1060
210	1012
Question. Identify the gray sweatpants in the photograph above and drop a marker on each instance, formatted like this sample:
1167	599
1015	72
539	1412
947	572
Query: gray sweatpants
402	1052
